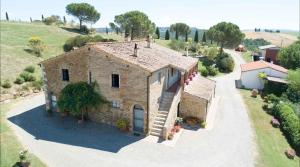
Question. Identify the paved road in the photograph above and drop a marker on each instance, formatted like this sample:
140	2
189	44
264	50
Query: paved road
63	143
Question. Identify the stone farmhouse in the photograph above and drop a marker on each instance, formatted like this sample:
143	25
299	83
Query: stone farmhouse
147	84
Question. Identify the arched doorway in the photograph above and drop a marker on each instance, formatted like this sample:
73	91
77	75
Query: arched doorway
138	119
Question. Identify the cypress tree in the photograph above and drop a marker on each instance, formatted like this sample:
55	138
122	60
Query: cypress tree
30	19
204	38
167	36
196	38
7	18
106	30
65	20
186	37
157	33
176	35
42	17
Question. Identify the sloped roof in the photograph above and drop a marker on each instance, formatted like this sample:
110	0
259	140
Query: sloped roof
151	59
267	47
261	64
201	87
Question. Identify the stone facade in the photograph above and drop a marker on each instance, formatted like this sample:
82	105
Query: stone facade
193	106
137	85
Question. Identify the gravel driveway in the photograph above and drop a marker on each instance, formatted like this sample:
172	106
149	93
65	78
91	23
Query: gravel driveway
64	143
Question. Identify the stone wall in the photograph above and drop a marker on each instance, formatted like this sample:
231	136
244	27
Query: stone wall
156	92
193	106
132	89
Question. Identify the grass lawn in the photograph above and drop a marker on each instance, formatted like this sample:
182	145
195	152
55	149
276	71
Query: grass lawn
163	42
14	38
10	146
247	56
270	141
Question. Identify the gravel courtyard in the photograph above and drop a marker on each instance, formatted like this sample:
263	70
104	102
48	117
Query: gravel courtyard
63	143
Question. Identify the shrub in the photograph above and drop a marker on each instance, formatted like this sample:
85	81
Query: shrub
254	93
290	153
122	124
37	84
202	124
212	71
81	40
25	87
54	19
30	69
177	45
6	84
204	72
36	45
225	63
290	124
19	80
28	77
275	123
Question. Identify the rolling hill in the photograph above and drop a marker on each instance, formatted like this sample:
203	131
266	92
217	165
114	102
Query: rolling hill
279	39
14	38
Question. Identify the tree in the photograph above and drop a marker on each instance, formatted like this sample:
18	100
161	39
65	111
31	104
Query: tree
78	98
135	23
65	20
36	45
167	36
30	19
106	30
157	33
204	38
42	17
289	57
176	35
84	12
293	90
196	38
53	19
186	37
7	18
180	28
226	34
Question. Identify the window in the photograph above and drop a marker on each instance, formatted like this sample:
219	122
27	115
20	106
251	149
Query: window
115	104
90	77
159	77
115	80
65	74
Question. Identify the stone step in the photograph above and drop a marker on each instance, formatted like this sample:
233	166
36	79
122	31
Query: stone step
158	126
163	112
155	134
158	122
161	119
157	130
161	115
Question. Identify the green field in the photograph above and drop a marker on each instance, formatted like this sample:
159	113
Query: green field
10	146
14	38
270	141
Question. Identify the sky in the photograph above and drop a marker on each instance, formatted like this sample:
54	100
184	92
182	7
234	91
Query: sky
247	14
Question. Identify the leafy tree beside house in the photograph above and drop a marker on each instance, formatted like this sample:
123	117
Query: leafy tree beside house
226	35
84	12
289	57
135	23
167	35
157	33
78	98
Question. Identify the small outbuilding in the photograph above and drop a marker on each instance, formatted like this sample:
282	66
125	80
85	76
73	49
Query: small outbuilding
250	71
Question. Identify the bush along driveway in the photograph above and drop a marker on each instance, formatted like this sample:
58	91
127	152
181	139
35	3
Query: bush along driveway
63	142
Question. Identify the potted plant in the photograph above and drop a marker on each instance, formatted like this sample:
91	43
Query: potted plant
122	124
170	136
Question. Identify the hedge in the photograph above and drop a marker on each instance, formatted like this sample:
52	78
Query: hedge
290	124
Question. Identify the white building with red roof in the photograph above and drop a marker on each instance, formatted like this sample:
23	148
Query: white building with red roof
250	71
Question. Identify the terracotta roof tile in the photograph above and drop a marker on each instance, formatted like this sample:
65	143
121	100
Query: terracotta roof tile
261	64
151	59
201	87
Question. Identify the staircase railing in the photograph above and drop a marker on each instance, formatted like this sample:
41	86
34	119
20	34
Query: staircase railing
172	115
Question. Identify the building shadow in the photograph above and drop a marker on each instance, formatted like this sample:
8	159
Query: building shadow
67	131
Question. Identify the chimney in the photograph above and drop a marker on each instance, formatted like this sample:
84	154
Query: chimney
148	41
135	50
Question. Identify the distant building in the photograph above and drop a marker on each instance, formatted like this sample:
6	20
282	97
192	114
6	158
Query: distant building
249	74
268	53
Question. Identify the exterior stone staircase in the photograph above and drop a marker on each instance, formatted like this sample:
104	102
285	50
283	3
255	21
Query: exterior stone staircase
162	114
